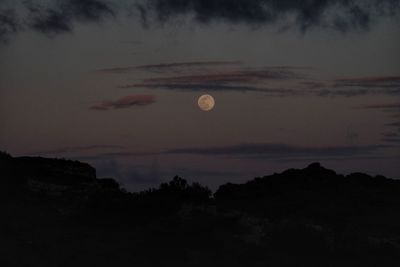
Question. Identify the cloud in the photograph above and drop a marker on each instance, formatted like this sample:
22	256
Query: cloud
369	80
382	106
238	76
199	87
272	150
196	173
224	80
343	92
50	17
127	154
391	137
281	92
242	150
8	23
341	15
74	149
166	67
274	81
356	86
125	102
391	134
391	140
53	17
390	108
59	16
394	124
366	82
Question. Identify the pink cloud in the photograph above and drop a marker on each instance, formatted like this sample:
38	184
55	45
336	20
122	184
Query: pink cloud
125	102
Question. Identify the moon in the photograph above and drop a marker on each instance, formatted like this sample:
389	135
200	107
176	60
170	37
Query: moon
206	102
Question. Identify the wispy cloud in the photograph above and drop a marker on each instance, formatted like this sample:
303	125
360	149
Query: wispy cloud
391	140
389	85
125	154
196	173
74	149
239	76
241	150
197	87
272	150
272	81
358	86
392	106
242	79
125	102
167	67
391	137
219	87
394	124
376	81
392	134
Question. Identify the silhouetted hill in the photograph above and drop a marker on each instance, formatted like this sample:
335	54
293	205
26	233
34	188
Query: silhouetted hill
56	212
312	192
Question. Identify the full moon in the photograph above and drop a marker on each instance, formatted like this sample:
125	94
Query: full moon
206	102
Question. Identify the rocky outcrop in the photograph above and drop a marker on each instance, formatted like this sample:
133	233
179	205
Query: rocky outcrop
51	176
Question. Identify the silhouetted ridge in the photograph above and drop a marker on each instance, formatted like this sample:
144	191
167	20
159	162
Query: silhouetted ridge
313	191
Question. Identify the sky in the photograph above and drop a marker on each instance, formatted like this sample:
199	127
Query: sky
116	83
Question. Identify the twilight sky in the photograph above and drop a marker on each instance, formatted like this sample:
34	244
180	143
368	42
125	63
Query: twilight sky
115	84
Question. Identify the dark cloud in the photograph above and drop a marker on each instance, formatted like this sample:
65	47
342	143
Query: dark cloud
166	67
59	16
342	92
195	173
125	102
49	21
238	76
391	135
370	82
76	149
382	106
49	17
244	150
196	87
222	80
271	150
390	108
273	81
394	124
356	86
127	154
8	23
391	140
341	15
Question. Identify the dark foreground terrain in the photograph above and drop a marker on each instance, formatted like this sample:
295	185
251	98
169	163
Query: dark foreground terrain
58	213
